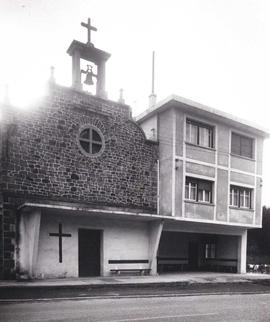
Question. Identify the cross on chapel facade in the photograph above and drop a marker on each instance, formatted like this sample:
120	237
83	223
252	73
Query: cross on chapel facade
60	235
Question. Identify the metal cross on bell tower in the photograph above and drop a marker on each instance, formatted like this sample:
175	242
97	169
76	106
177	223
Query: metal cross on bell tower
89	28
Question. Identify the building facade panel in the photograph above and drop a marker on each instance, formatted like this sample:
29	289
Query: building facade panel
222	195
199	211
259	155
198	169
258	202
179	188
241	216
150	128
242	164
200	154
165	137
223	139
242	178
179	133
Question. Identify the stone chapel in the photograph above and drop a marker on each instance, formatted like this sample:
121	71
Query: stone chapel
78	180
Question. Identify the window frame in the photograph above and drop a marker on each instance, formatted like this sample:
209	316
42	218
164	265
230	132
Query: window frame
236	191
210	250
196	185
90	140
241	153
199	126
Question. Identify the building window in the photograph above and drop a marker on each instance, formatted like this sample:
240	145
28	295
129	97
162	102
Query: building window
240	197
210	250
90	140
199	134
242	145
198	190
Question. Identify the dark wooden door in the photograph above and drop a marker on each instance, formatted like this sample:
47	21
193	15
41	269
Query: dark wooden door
89	252
193	255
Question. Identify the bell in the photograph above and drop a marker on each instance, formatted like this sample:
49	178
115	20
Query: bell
88	78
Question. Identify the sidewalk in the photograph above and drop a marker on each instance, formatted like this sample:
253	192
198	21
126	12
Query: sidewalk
188	278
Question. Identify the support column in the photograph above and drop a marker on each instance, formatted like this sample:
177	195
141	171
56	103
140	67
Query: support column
242	253
101	81
155	230
29	239
76	70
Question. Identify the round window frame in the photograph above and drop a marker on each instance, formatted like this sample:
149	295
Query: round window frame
91	127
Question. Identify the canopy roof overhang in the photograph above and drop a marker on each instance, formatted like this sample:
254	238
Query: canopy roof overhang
109	213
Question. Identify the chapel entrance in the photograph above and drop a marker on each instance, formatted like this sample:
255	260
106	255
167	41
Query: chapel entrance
89	252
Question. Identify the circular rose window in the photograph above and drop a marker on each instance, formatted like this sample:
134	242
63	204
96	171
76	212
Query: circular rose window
91	140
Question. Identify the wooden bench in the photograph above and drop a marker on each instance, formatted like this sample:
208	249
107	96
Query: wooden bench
172	263
140	271
126	266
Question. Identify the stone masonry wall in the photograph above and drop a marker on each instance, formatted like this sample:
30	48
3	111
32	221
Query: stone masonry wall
1	213
9	238
1	240
7	209
45	162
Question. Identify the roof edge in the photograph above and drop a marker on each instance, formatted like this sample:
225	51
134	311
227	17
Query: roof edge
178	99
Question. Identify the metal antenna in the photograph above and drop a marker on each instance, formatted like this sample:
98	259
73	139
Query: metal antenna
153	73
153	96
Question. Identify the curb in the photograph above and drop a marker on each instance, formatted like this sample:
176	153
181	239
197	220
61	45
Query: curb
33	286
108	297
97	286
131	285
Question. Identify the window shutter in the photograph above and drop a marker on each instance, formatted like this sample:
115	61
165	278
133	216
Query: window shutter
203	185
236	144
246	147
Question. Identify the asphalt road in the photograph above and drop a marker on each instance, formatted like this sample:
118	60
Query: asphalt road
255	307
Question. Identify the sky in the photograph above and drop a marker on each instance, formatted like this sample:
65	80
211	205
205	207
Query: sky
215	52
